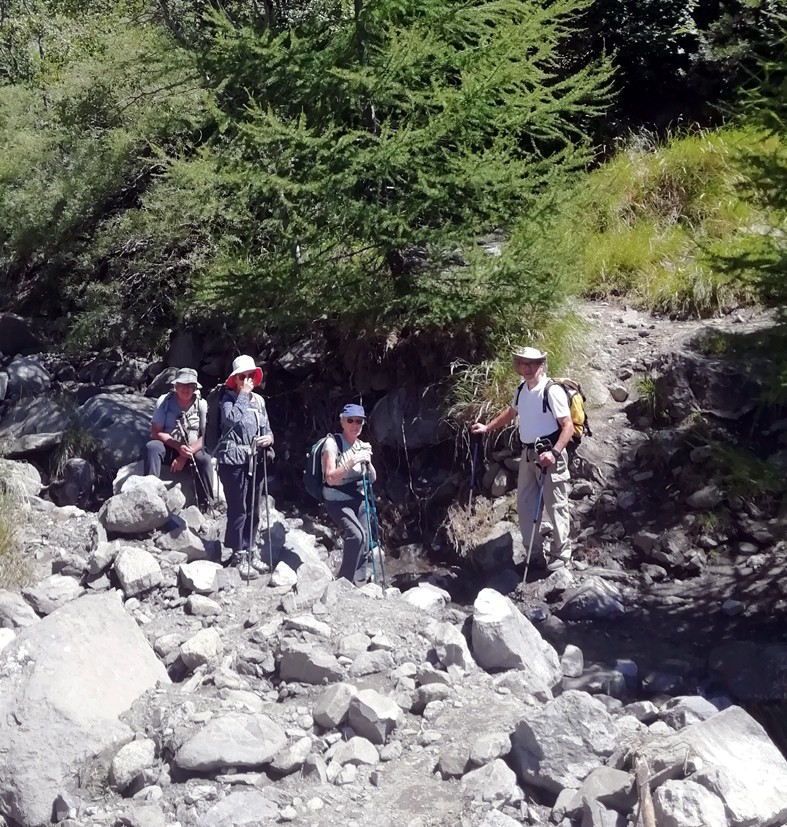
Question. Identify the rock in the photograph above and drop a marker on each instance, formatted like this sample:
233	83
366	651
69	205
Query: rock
245	808
572	661
283	575
373	716
102	556
52	593
740	765
204	648
427	597
645	541
595	814
619	393
680	712
292	757
6	636
307	663
751	671
594	599
130	760
77	484
355	751
17	334
489	746
707	498
501	547
15	612
610	787
558	745
74	715
182	539
451	647
121	423
333	705
408	417
687	804
201	576
27	377
135	510
505	639
350	646
137	571
453	760
20	479
494	782
200	606
233	740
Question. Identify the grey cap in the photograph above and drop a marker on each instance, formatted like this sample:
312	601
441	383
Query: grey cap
186	376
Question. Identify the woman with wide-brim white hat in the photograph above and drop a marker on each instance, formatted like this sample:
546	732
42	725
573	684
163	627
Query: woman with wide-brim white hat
245	430
344	462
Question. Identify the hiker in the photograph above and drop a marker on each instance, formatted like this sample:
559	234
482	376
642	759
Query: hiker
177	429
538	421
245	431
343	467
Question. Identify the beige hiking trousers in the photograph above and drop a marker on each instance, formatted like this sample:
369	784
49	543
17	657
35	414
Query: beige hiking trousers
555	506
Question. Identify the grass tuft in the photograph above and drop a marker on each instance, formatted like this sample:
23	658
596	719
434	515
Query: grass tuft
15	569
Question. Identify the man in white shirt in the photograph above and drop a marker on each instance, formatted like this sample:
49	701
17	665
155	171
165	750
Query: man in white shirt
538	421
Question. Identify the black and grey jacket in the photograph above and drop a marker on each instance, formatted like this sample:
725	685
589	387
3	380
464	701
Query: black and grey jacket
243	419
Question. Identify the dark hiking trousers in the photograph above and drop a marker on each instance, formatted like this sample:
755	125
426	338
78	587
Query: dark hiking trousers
350	517
243	505
156	453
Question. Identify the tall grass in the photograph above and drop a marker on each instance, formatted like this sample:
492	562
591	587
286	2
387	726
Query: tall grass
657	218
15	569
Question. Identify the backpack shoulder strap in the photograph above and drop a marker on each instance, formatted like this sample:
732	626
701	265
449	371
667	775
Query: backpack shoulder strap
546	406
518	392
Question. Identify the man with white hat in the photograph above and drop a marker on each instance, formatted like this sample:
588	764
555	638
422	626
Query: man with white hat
539	422
177	430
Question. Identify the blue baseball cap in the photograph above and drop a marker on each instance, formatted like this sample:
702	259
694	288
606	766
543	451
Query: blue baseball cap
353	410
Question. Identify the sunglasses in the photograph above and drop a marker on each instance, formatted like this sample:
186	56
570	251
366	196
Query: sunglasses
246	375
354	420
527	363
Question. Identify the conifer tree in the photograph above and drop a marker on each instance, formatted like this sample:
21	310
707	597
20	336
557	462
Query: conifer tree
365	147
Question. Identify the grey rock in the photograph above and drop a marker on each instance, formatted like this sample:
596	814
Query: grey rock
200	606
619	393
680	712
121	423
244	808
333	705
610	787
52	593
355	751
201	576
451	647
21	479
130	760
137	570
489	746
572	661
369	663
306	663
75	715
558	745
373	716
595	598
15	611
233	740
134	511
706	498
183	540
494	782
679	803
27	377
292	757
204	648
504	639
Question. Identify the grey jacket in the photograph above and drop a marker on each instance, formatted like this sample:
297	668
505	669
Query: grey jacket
243	419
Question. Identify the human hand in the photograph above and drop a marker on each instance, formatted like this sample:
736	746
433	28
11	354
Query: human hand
264	441
246	385
178	464
546	459
478	428
361	457
185	451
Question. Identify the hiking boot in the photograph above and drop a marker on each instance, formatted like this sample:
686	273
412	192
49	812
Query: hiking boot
559	563
258	564
240	560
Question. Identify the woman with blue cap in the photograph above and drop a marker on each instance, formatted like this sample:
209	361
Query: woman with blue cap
345	460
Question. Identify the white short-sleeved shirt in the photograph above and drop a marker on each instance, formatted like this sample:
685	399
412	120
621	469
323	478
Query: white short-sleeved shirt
534	422
344	457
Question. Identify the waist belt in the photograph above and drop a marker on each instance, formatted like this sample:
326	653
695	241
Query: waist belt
553	438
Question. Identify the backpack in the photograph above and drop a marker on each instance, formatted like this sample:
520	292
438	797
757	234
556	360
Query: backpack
576	405
312	472
213	435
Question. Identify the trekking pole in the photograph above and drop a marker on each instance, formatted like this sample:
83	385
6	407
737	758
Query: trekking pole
475	439
267	506
250	517
377	533
539	447
368	526
195	472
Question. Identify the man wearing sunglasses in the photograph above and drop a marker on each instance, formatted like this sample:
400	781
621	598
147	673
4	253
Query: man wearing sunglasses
541	422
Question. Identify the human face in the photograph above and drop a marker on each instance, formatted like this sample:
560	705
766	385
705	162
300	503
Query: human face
528	369
351	426
185	392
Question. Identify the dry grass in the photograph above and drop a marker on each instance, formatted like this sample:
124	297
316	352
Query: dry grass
15	569
465	527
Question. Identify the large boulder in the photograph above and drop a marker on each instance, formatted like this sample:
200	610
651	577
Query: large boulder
121	423
503	638
27	377
409	417
39	416
63	683
137	509
17	335
559	744
739	763
21	479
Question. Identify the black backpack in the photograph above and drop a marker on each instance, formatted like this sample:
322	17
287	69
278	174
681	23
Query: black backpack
213	435
312	472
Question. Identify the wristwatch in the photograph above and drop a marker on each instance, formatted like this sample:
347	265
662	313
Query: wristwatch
555	454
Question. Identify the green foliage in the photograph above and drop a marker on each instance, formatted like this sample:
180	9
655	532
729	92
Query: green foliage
76	442
365	153
655	218
14	567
